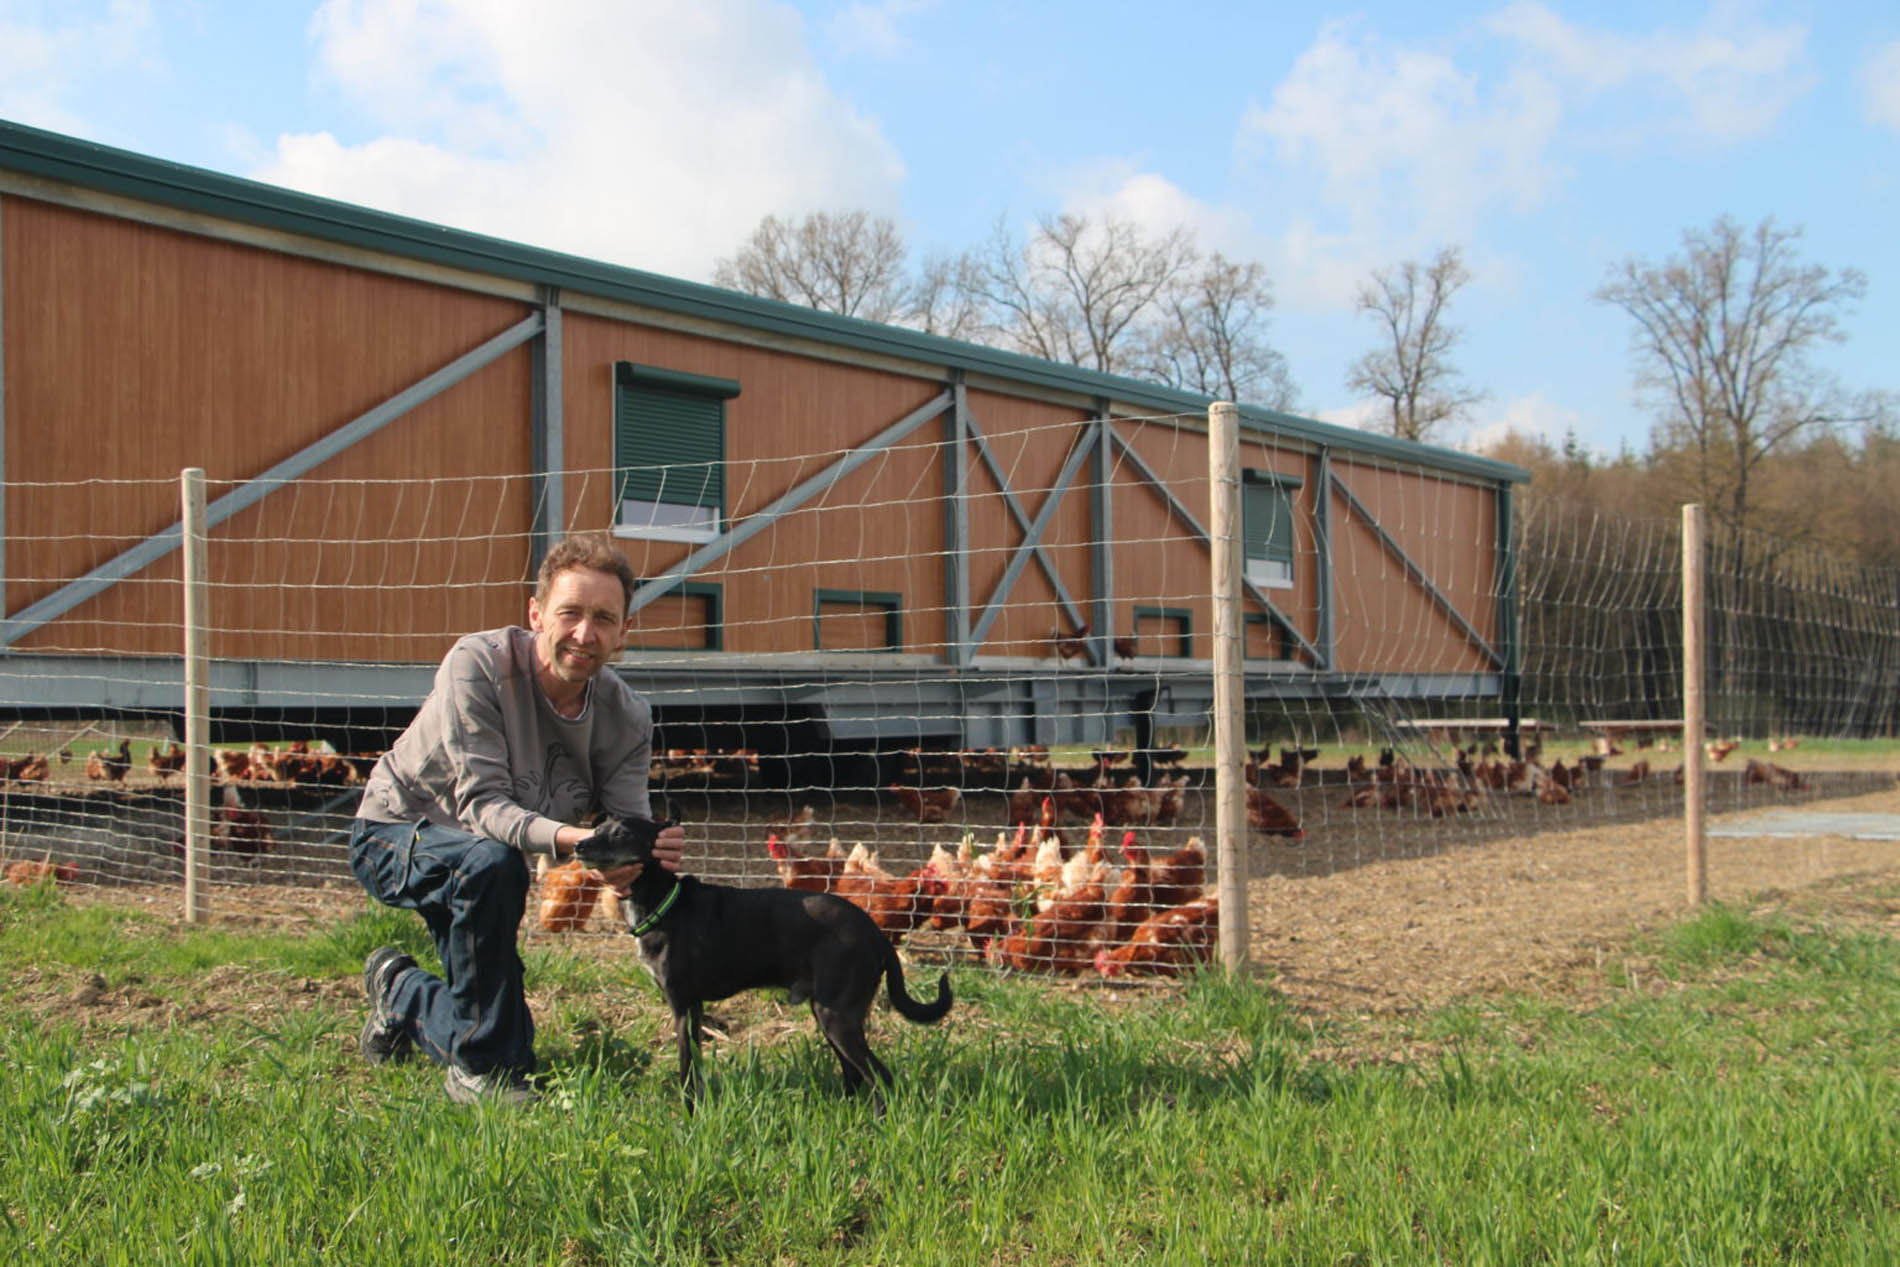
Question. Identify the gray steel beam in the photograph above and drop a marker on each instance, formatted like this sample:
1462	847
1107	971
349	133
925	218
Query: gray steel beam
1324	564
1032	542
1194	525
1102	544
766	516
157	546
549	442
1418	574
4	542
956	527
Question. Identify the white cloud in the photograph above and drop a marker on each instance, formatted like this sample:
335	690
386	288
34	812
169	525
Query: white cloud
655	137
1731	78
47	61
873	30
1370	414
1880	87
1371	151
1534	416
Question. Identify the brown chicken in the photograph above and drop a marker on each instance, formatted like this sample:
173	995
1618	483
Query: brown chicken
1132	899
1772	775
34	870
1179	877
898	905
232	765
1718	749
1073	646
567	899
1061	939
929	804
1168	944
238	829
31	768
166	763
812	874
108	767
1270	818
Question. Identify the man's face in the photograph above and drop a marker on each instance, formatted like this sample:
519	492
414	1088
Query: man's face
581	626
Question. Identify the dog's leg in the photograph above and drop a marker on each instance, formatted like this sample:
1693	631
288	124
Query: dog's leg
844	1031
686	1039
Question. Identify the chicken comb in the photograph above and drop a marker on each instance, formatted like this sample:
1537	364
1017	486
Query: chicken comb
774	849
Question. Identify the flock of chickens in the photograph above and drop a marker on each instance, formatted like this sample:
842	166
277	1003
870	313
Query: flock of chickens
1032	901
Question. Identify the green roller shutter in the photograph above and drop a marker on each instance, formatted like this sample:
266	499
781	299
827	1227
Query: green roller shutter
670	436
1267	520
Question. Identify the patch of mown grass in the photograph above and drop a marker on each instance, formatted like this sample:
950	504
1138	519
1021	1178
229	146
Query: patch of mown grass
1743	1113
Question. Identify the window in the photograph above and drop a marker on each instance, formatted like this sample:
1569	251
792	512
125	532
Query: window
688	617
1169	629
1262	638
670	453
1266	516
856	620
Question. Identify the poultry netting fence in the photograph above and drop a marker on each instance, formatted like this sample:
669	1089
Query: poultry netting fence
964	680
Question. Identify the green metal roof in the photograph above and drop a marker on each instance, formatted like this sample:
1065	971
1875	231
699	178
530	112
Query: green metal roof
98	167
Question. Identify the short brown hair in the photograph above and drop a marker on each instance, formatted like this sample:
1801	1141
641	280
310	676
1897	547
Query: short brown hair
595	551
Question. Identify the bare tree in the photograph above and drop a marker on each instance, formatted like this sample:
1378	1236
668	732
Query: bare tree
1076	289
1723	335
850	263
1410	369
1209	336
945	299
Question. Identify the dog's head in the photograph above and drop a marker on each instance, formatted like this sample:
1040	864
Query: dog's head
618	842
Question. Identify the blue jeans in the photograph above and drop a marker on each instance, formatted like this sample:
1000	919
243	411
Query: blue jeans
472	893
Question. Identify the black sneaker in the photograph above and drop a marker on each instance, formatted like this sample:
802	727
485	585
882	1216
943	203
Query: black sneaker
497	1086
385	1037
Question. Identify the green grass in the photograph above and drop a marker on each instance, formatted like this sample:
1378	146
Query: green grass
1740	1106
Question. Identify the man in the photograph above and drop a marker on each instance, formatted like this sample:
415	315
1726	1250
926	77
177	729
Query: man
521	735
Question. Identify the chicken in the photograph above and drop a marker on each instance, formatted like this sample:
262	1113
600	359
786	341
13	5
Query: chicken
167	763
1126	647
108	767
1073	646
1766	772
238	829
1079	801
860	874
1180	876
1168	944
1132	899
35	871
1637	773
1170	801
262	763
899	905
1718	749
796	828
1131	803
930	804
1268	817
1023	803
31	768
567	899
798	871
1060	939
232	765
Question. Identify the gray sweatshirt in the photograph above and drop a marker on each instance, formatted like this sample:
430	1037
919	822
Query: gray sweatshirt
488	754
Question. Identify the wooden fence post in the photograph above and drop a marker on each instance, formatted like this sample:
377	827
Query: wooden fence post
197	698
1230	738
1694	673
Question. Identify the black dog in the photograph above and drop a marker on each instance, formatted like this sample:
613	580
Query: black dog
704	942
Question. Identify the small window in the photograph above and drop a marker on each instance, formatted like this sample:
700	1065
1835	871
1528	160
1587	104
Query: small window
669	453
1164	631
856	620
1267	528
688	617
1262	638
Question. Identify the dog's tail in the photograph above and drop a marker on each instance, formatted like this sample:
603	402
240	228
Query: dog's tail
913	1009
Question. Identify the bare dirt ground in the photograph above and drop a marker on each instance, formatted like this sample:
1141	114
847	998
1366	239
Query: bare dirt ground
1368	935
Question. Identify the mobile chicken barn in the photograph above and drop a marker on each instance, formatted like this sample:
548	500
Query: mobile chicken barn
854	536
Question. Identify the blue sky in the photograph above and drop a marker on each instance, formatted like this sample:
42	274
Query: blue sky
1547	140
